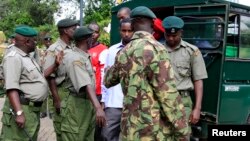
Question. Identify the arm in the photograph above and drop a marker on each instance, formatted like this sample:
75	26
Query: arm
49	70
198	74
111	77
12	67
161	78
100	115
54	92
15	103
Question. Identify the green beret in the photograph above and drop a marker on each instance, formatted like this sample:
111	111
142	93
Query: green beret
142	11
26	31
172	24
82	32
67	23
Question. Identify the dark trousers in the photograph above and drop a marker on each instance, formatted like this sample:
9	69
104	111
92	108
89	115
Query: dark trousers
112	131
98	129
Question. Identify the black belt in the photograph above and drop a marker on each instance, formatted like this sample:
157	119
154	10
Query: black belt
25	101
184	93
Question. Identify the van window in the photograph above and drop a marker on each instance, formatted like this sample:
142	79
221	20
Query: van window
204	32
244	50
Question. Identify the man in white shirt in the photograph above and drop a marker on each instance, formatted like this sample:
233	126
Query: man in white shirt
112	98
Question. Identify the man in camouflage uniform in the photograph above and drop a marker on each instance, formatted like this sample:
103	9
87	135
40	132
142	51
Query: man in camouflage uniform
66	28
152	106
78	123
26	89
189	66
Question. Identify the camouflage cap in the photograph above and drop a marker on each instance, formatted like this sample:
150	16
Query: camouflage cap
82	32
142	11
26	31
172	24
67	23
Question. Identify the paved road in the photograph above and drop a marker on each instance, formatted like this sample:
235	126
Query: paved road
46	132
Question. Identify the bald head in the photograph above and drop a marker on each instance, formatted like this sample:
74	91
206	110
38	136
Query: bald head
123	13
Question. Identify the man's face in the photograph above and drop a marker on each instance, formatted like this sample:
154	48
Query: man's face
123	15
47	42
126	32
89	42
70	31
96	33
31	43
173	40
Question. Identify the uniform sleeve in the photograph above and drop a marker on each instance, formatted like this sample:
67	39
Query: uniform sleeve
161	78
79	75
111	77
49	60
12	67
198	66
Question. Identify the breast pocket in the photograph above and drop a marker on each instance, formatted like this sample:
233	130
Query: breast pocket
183	68
32	72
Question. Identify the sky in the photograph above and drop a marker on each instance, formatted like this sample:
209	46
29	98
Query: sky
245	2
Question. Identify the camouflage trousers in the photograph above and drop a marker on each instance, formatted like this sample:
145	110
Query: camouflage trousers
78	119
10	131
188	104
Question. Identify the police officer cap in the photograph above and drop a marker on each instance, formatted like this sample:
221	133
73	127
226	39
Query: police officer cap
26	31
47	37
172	24
142	11
82	32
66	23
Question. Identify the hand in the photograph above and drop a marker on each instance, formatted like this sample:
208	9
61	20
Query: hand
20	120
59	57
100	117
195	116
57	105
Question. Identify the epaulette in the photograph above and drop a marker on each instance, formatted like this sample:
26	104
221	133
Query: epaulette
11	53
193	47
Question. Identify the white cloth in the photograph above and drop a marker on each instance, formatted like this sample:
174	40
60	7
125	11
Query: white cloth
112	97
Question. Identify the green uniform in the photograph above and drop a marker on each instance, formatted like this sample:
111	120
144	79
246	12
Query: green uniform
59	75
189	66
23	73
78	114
152	106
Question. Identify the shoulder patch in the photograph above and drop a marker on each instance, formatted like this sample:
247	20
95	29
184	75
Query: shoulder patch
78	63
197	52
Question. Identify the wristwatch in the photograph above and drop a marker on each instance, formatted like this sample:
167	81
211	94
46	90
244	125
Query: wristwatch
19	113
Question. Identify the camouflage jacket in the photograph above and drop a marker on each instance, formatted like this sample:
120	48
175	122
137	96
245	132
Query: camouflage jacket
152	106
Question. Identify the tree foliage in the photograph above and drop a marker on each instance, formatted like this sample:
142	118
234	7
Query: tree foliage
99	11
34	13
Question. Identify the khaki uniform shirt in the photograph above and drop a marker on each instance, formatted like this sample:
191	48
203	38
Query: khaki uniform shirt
188	65
51	56
79	70
21	72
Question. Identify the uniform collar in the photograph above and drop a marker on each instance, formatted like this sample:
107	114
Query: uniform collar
182	44
142	34
22	53
85	54
63	44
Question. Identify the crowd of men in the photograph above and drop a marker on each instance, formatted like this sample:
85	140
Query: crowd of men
137	89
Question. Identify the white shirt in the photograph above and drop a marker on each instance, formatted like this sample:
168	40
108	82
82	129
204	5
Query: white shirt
113	96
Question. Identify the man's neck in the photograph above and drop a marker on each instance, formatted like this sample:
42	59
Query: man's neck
65	39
